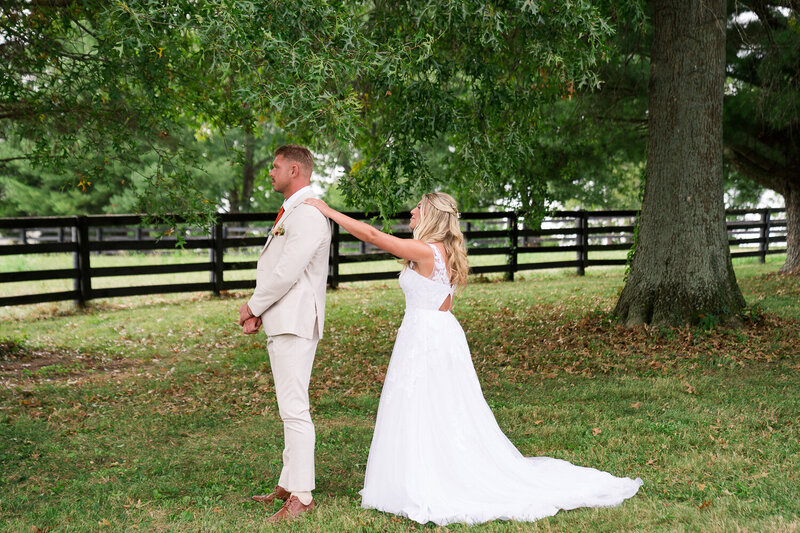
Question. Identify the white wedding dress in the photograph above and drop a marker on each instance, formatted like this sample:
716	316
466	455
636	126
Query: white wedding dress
438	454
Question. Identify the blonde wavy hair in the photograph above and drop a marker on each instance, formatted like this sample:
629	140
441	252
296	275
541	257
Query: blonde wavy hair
439	223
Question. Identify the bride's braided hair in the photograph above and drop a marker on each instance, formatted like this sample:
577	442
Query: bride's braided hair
439	223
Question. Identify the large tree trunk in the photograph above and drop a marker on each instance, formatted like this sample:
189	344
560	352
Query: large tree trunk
791	197
682	270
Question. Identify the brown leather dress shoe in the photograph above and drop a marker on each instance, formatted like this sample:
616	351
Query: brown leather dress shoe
291	510
278	493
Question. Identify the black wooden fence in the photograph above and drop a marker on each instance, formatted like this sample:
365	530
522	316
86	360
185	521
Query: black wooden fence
751	232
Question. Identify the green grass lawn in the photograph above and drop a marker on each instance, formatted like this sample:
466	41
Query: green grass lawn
156	414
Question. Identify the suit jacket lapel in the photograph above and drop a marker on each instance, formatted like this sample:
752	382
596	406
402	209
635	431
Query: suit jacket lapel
286	213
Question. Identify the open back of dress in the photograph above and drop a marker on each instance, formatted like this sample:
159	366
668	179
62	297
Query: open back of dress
431	293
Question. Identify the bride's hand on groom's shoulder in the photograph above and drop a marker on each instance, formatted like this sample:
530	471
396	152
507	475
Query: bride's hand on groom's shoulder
319	204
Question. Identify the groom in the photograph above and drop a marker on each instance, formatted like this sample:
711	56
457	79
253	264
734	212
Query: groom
289	300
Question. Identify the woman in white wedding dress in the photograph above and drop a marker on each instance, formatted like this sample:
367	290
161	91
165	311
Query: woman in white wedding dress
437	453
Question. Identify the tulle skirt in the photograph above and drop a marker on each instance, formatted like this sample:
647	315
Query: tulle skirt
438	454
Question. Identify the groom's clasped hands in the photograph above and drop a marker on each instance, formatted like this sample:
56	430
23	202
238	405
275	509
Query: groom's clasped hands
250	324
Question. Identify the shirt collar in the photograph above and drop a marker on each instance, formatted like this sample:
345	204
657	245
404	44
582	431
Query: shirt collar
295	198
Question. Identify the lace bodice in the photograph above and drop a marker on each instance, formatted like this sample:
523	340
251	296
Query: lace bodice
427	293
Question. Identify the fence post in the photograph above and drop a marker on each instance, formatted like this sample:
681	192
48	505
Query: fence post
334	258
763	243
76	282
583	242
216	252
84	279
513	238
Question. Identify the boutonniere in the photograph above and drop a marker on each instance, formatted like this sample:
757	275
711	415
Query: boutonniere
278	230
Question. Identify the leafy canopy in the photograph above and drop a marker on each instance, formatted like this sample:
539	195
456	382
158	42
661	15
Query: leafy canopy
89	84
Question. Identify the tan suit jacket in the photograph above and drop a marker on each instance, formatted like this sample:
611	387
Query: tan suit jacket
292	273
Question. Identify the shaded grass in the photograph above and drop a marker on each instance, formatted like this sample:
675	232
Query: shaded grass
161	416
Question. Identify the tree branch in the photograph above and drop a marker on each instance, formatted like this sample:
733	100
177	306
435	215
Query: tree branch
258	166
87	30
763	171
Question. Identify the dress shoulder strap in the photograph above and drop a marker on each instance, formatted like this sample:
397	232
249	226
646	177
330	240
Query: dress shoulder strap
439	268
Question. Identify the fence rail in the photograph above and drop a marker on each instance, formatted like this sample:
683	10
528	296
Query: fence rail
753	233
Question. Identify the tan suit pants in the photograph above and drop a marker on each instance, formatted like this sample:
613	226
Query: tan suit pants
291	358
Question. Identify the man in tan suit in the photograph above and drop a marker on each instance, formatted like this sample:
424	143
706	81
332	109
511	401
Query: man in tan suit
289	301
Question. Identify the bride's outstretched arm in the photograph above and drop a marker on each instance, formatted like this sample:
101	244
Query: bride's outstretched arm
410	249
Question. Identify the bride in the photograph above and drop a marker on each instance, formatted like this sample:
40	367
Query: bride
437	453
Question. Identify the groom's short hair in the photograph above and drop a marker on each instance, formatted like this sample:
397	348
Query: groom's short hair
299	154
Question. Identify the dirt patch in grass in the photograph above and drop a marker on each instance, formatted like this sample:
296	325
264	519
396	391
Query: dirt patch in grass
22	363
